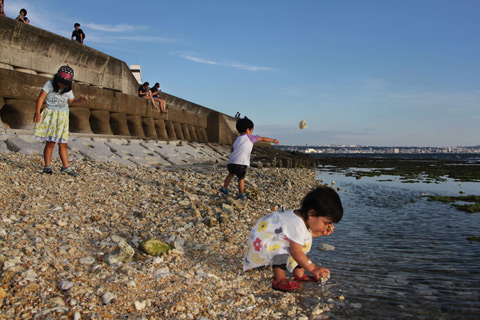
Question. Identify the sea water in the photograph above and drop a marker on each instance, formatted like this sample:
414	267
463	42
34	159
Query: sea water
398	255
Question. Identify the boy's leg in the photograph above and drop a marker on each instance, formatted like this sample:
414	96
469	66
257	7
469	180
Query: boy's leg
63	153
241	186
47	153
228	179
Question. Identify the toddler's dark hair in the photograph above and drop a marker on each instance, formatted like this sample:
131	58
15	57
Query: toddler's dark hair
243	124
325	202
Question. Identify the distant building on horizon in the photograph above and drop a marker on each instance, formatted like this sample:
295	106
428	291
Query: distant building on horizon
137	72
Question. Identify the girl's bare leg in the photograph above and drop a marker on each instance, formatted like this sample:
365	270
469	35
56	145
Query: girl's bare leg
154	105
47	153
299	272
279	274
63	153
163	105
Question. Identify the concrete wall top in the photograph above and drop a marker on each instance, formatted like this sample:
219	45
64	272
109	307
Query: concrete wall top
29	47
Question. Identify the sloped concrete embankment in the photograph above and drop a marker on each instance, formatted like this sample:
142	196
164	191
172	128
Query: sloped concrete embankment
131	152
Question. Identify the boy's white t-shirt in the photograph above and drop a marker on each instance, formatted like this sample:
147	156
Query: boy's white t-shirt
271	236
242	148
56	100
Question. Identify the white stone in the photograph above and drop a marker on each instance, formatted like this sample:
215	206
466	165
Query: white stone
140	305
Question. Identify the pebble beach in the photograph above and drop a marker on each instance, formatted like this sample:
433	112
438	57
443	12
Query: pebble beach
69	246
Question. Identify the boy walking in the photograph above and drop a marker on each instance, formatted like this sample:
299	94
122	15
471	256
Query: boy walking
240	157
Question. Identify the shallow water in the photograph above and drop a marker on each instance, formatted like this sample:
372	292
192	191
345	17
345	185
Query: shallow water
398	255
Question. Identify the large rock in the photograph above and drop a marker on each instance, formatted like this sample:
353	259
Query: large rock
154	247
122	254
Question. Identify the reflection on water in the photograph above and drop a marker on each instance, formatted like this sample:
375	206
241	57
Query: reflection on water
398	255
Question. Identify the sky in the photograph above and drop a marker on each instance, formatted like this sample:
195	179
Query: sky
359	72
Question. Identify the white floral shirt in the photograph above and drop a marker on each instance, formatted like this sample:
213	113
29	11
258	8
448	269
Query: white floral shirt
271	236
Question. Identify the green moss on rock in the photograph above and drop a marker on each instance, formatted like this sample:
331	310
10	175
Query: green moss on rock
154	247
471	208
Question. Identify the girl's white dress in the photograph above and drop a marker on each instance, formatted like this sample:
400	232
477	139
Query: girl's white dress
271	236
54	123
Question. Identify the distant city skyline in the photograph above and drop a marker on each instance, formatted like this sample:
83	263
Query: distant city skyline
372	72
380	149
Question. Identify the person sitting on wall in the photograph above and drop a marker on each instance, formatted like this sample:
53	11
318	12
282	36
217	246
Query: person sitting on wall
144	92
156	95
78	33
23	16
2	10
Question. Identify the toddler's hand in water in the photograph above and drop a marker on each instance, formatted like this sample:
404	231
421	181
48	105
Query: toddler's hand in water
320	273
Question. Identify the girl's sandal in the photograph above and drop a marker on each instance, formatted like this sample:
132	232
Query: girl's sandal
305	277
284	285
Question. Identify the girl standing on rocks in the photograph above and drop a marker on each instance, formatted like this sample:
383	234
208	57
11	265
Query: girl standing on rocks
52	124
282	239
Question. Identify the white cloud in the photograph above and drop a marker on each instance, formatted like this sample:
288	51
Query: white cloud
200	60
226	64
114	28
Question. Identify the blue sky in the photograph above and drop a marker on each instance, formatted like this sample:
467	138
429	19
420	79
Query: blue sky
372	72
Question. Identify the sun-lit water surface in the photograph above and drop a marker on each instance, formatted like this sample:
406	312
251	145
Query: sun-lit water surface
398	255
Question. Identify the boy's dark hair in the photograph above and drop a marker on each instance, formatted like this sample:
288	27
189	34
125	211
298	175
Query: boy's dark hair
56	88
23	10
244	124
325	202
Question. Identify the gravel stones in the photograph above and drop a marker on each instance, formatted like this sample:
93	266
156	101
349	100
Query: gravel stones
77	240
65	285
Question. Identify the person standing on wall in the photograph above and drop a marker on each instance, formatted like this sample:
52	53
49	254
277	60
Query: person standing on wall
23	16
2	9
78	33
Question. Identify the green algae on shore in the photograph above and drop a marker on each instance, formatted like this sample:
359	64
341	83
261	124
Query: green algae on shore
410	170
472	205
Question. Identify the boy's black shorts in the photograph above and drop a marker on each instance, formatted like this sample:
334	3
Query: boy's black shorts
237	169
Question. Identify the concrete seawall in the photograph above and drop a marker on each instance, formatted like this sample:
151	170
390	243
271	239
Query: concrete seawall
29	56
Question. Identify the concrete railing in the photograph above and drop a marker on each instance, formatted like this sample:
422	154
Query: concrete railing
29	56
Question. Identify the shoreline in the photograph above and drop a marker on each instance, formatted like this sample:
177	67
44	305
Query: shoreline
57	229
